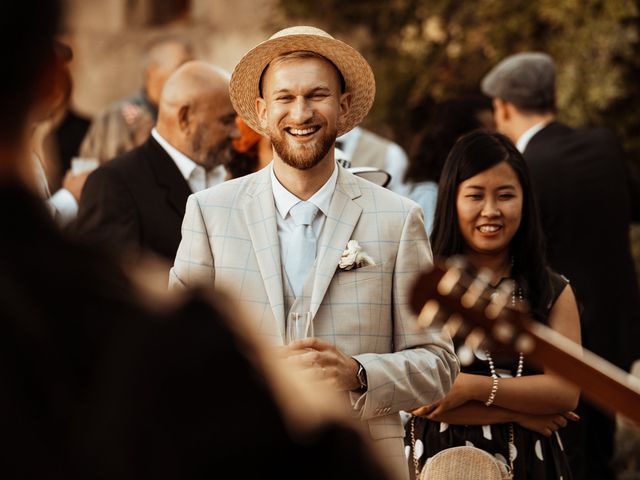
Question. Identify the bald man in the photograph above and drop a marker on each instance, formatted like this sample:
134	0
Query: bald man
126	123
138	199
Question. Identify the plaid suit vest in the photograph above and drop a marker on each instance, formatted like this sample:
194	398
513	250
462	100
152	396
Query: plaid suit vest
289	296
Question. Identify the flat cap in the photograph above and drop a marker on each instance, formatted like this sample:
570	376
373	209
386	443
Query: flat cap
528	80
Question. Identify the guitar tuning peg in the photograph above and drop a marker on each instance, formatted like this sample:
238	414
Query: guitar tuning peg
525	343
476	289
503	331
487	344
465	355
453	324
497	302
484	274
428	313
458	262
466	351
448	281
506	287
499	299
475	338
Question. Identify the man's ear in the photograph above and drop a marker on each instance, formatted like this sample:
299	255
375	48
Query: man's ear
345	106
184	114
149	74
501	110
261	110
498	106
345	103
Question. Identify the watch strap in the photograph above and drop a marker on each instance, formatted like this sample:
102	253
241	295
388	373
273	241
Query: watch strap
362	377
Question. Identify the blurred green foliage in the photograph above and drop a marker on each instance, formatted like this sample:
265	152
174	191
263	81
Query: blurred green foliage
425	51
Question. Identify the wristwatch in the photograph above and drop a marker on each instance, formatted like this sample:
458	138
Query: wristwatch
362	377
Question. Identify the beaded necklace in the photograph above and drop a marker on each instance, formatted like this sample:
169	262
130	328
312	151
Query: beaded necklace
516	296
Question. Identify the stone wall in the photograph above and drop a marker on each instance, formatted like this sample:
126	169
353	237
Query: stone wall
108	38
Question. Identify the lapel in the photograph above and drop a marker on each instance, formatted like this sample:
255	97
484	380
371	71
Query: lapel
260	217
342	219
168	176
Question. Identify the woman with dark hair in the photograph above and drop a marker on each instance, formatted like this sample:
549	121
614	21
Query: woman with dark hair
500	403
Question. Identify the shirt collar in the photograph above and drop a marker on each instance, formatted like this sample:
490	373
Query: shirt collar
524	139
285	199
184	163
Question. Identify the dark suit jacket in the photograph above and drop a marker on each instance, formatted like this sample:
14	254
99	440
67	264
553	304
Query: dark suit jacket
586	196
68	136
98	385
137	199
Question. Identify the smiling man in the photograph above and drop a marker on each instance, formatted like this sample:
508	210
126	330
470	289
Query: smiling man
352	258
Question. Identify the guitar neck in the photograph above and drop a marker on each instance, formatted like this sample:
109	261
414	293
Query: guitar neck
603	383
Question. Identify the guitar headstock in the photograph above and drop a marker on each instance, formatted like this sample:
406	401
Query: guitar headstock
460	300
453	296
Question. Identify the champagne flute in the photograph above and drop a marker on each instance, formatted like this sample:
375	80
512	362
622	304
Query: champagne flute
299	326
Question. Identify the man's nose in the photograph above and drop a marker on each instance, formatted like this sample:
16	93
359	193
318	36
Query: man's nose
300	111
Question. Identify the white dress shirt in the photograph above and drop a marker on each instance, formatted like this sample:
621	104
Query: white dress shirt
195	175
284	200
524	139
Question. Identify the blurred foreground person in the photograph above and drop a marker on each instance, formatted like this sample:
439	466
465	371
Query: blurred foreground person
120	381
588	200
138	200
500	403
126	123
62	202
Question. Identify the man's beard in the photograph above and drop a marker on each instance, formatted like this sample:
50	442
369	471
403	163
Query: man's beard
214	156
304	155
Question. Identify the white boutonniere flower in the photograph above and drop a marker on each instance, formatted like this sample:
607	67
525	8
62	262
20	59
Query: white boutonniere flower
354	257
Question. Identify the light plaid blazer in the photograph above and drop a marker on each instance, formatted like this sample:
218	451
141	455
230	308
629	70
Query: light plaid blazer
230	238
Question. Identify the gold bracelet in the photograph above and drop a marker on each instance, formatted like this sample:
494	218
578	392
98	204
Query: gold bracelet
494	390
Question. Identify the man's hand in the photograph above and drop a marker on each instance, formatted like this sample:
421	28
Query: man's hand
75	182
326	361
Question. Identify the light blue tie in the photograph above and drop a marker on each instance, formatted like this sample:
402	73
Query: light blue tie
301	251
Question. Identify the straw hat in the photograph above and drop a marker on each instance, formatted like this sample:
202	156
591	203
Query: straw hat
358	77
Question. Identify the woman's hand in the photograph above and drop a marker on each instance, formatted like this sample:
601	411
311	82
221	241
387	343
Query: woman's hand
460	393
546	424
